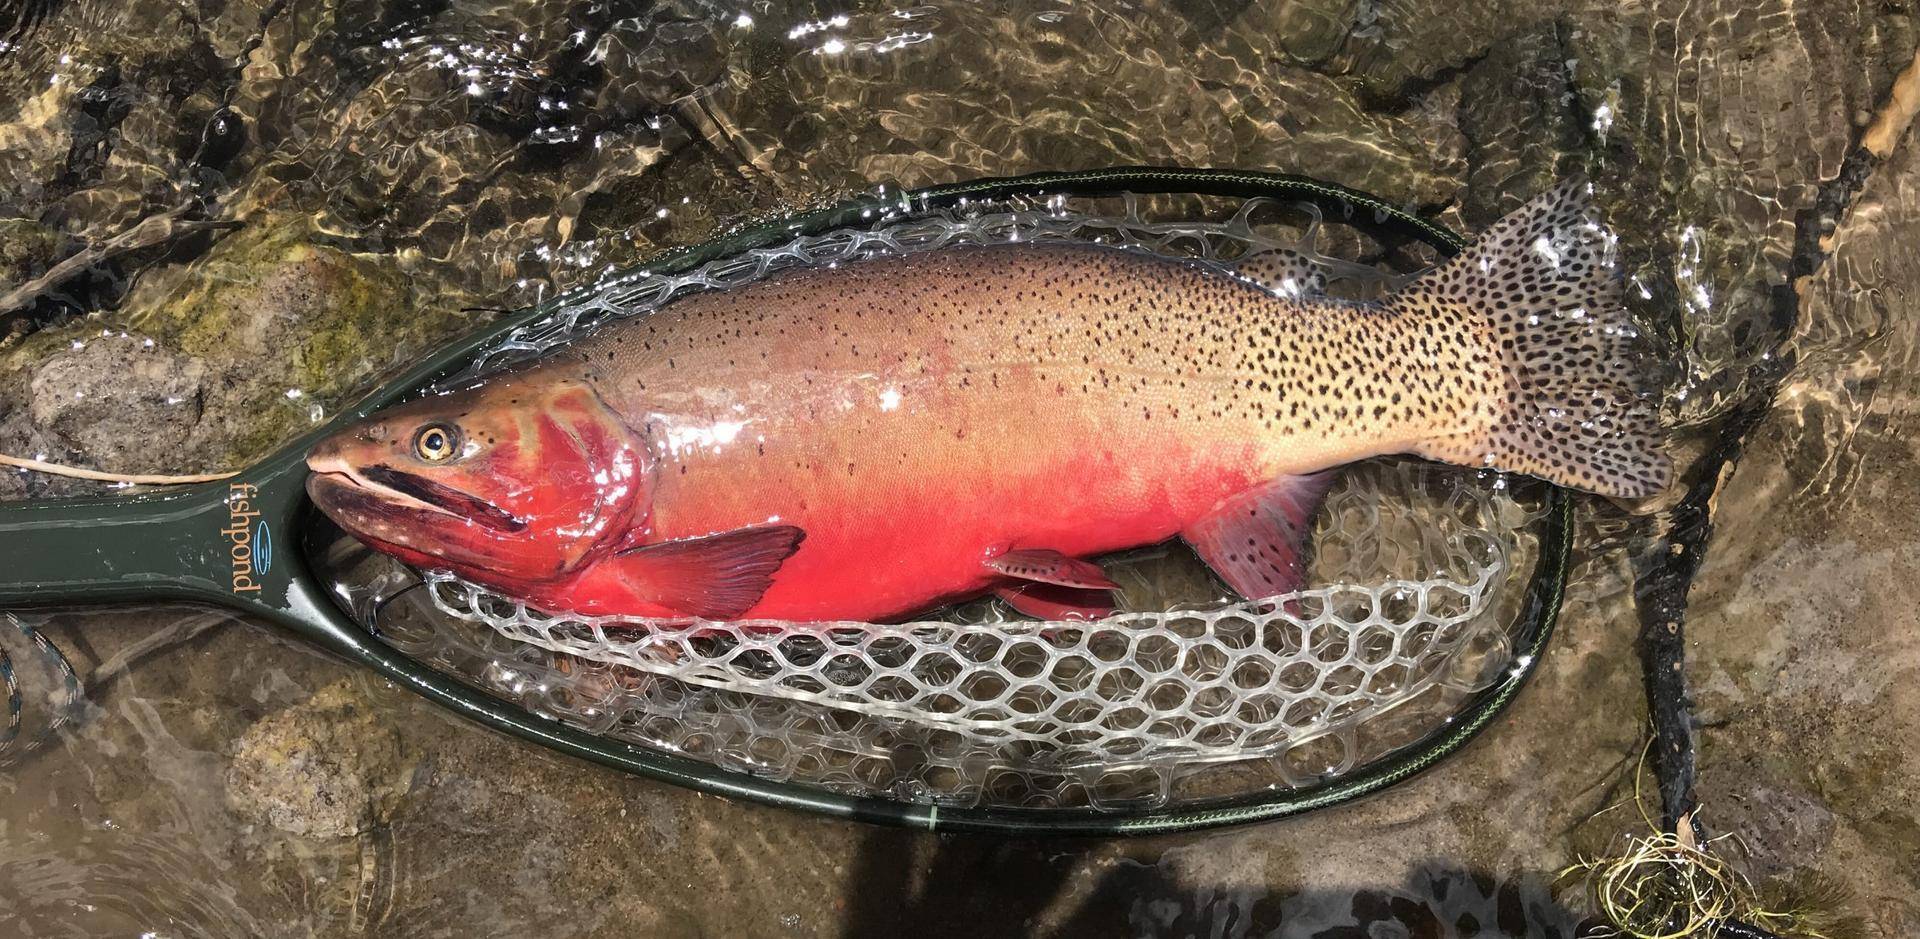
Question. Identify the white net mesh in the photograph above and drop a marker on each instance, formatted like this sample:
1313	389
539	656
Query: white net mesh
1181	696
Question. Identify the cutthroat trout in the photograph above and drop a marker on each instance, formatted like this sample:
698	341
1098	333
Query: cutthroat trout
869	441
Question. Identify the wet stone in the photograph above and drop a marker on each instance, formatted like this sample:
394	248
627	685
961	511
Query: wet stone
95	391
1804	632
327	768
651	64
1520	123
1310	31
34	141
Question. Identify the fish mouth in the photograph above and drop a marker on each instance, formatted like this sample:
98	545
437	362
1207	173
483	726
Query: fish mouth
384	484
446	498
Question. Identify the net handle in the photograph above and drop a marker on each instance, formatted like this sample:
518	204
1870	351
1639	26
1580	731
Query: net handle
175	544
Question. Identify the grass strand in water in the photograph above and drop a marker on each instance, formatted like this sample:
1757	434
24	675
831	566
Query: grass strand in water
136	479
1672	885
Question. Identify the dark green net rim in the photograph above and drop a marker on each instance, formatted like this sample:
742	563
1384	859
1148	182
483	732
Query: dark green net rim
170	545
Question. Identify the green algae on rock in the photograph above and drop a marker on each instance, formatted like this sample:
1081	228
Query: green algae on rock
289	322
27	249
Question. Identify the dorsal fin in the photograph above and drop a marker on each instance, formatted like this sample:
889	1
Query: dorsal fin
1284	272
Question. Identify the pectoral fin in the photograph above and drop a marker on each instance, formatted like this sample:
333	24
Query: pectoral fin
714	577
1256	540
1051	567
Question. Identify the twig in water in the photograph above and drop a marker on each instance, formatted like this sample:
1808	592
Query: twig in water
151	231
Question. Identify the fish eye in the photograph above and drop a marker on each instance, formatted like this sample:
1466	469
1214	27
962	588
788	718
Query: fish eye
436	443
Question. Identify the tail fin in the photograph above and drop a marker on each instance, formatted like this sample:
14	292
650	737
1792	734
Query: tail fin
1574	411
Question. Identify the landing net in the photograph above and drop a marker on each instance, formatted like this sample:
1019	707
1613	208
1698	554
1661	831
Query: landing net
1179	696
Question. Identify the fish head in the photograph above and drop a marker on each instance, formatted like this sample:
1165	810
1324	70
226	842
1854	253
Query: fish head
520	478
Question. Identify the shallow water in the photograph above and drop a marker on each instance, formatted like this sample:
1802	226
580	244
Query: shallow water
391	164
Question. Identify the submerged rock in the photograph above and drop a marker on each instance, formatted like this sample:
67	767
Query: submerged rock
1704	123
270	291
33	145
1520	124
328	768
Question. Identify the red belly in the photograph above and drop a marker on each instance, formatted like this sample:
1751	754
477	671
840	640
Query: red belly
888	551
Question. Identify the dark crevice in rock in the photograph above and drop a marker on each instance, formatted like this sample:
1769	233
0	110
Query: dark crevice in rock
1666	570
1409	94
1519	119
1573	102
100	110
222	135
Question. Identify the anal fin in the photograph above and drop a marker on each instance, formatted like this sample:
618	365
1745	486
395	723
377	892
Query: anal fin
712	577
1257	540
